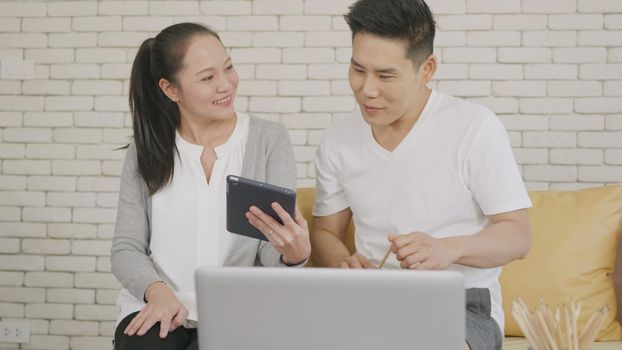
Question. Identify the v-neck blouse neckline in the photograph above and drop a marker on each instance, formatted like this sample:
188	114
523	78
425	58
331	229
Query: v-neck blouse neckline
221	150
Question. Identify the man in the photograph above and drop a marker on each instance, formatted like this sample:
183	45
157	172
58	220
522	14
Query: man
427	175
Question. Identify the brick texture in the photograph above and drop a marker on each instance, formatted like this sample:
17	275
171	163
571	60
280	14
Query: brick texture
551	70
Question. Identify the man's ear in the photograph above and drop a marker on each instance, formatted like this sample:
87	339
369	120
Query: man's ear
169	90
427	69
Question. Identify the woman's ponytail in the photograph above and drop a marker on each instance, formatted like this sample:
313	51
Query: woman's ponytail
155	119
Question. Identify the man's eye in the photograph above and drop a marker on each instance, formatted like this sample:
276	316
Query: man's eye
208	78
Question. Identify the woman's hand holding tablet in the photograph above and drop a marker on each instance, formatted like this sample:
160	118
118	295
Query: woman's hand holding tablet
267	212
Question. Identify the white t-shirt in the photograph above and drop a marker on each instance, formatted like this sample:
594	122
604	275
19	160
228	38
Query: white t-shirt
452	169
188	218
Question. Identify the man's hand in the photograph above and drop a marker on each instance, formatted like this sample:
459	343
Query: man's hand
162	306
420	251
357	261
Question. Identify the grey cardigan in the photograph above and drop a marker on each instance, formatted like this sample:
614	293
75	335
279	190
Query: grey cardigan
269	157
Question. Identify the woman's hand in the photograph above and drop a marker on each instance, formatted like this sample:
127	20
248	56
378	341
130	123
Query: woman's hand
290	239
162	306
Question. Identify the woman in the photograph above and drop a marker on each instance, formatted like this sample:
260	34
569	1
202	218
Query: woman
171	214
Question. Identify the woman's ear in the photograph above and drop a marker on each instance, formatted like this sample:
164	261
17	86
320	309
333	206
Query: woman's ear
169	90
427	69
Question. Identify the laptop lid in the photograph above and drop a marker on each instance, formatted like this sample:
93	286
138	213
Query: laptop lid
312	309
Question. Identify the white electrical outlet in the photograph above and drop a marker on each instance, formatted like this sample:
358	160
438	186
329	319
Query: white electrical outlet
14	332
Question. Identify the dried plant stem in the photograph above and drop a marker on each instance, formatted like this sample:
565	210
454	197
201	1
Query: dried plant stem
560	331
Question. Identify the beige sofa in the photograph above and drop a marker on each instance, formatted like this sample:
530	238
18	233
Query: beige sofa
575	241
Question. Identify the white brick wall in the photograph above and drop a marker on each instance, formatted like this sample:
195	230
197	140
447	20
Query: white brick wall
552	71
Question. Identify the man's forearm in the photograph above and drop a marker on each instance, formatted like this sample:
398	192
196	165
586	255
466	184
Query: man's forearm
327	249
497	245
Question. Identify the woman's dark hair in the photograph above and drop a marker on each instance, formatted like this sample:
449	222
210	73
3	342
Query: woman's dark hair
155	117
408	20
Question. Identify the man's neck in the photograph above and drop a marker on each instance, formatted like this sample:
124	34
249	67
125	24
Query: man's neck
390	136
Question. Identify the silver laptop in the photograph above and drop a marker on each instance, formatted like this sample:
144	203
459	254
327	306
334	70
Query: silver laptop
325	309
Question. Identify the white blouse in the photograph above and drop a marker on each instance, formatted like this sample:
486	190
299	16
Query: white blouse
189	217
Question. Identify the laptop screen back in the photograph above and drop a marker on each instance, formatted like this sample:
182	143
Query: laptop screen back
313	309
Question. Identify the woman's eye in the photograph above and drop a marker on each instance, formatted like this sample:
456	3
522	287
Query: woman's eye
208	78
229	68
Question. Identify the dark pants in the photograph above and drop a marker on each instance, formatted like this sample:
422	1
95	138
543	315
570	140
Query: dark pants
179	339
482	331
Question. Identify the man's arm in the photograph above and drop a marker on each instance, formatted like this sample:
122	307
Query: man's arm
507	238
328	238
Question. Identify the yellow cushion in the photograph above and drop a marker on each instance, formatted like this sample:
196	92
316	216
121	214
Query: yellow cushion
305	198
575	235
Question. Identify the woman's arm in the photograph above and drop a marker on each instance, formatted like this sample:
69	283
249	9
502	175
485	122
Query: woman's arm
129	257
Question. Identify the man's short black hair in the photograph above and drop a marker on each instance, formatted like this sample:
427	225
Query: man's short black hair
407	20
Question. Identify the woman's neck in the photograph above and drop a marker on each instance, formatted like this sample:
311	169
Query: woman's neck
208	133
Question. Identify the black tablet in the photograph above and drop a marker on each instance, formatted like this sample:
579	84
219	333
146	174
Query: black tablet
242	193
